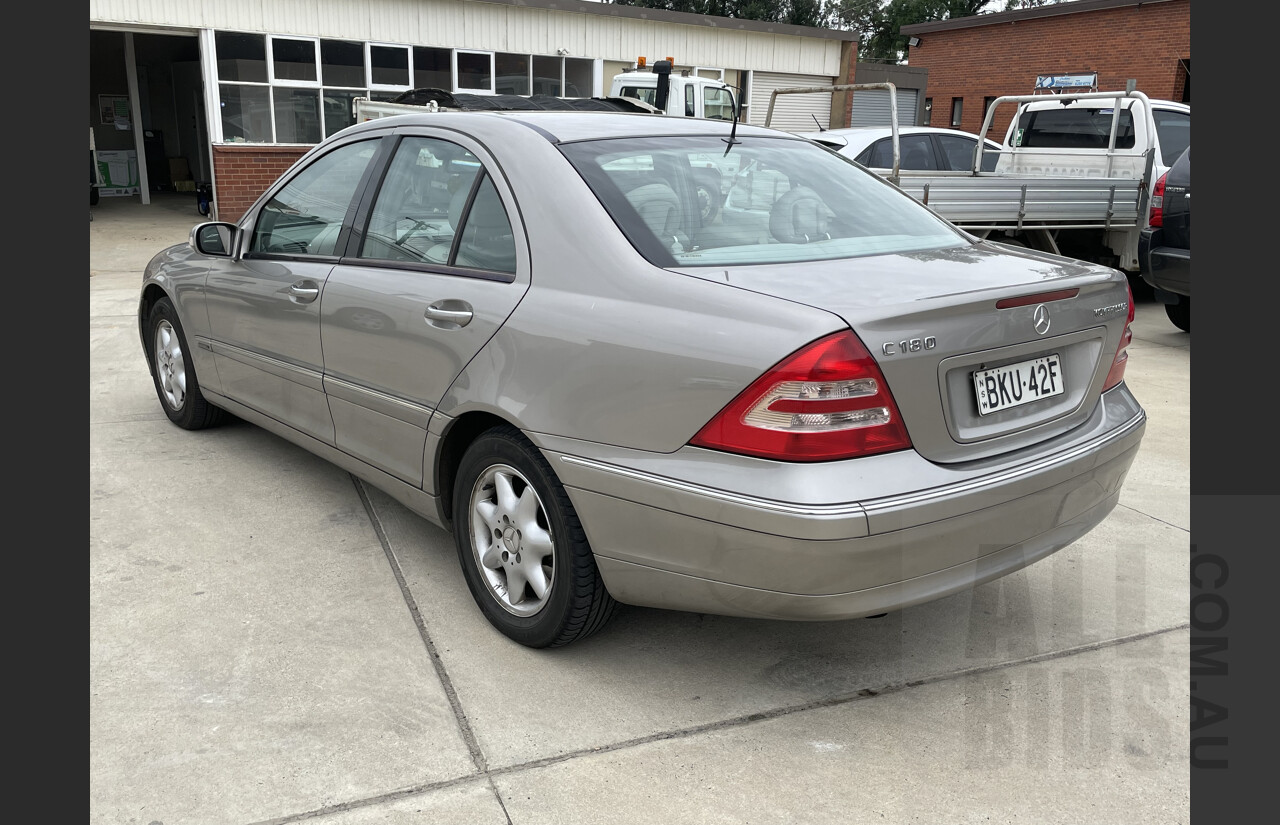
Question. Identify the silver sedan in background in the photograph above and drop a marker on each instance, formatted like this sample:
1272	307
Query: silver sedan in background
820	402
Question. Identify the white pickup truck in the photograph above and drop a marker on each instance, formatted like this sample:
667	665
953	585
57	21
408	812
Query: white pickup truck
1074	176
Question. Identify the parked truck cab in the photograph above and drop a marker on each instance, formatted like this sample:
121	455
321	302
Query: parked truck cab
679	95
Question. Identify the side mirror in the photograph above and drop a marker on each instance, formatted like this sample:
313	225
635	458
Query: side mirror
214	238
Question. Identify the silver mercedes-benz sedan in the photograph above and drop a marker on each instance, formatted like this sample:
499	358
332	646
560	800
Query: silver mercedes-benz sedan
821	402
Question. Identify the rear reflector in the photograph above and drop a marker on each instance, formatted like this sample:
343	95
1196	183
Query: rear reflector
827	401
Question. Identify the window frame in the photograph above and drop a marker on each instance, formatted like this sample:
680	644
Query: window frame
274	81
373	170
493	79
957	112
369	46
489	168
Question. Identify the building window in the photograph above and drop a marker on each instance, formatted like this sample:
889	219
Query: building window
512	73
986	105
475	71
957	111
431	68
928	111
578	76
293	89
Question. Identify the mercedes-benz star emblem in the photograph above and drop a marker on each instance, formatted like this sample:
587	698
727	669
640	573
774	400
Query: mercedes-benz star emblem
1041	319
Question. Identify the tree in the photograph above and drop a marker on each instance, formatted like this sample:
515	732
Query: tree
885	43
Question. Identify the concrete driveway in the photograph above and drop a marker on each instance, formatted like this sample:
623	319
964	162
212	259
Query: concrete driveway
274	641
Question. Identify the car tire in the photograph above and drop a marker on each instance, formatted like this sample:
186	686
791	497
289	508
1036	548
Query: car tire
174	374
514	524
710	199
1180	313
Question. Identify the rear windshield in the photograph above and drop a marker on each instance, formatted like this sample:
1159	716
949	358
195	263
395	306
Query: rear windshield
682	201
1073	128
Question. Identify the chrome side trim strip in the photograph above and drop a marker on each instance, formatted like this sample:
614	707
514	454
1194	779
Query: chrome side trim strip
419	415
291	372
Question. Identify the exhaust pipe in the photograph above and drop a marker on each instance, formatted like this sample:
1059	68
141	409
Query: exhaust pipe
662	68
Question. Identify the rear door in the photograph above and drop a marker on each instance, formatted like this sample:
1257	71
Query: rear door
264	305
437	263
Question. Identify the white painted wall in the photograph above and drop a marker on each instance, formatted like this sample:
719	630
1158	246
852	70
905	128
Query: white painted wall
474	24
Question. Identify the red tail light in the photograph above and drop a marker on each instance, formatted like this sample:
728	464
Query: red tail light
827	401
1116	375
1157	203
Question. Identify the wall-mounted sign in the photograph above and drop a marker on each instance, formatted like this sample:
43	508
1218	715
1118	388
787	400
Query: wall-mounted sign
1067	81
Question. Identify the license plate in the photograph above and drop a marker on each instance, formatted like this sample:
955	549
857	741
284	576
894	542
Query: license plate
1015	384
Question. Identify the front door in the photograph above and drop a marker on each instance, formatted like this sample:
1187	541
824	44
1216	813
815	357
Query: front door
264	306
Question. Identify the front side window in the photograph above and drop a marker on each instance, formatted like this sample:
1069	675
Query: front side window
436	206
688	101
305	217
717	103
648	94
786	200
958	152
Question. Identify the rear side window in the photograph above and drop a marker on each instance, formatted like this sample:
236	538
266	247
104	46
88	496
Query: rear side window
436	206
1073	128
1174	131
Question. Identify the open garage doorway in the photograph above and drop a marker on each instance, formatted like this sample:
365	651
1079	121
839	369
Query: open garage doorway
148	132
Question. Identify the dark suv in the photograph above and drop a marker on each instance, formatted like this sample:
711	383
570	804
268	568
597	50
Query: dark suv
1164	248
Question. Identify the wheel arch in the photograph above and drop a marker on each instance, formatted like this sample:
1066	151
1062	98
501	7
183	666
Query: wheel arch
151	294
460	434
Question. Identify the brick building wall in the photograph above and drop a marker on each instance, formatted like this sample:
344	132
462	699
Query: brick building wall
1144	42
242	172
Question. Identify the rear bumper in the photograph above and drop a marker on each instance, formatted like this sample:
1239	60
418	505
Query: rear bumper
668	542
1164	267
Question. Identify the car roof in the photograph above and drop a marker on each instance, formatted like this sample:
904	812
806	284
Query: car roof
857	138
1052	101
564	127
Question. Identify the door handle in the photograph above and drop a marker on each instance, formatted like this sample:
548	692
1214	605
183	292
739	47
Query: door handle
304	292
449	314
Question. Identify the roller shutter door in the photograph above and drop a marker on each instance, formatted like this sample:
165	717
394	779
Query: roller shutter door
792	113
871	107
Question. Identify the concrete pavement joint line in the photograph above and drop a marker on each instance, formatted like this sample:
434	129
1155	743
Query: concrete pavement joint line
725	724
464	726
1155	518
498	796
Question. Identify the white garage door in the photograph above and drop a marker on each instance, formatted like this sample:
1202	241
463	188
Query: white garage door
792	113
871	107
